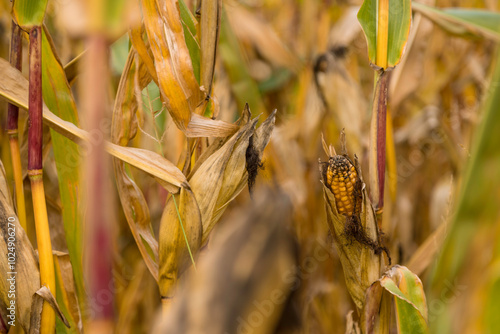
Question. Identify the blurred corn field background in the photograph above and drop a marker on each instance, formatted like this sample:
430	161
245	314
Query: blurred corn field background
174	185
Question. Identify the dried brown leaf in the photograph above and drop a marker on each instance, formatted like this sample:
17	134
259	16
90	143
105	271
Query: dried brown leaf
41	295
64	274
27	277
176	78
143	51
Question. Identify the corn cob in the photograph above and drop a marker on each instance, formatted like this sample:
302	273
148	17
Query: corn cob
342	179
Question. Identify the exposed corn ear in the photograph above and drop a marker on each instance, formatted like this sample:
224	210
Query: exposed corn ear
353	224
342	178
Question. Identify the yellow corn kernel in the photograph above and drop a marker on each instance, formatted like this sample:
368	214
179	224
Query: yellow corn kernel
341	177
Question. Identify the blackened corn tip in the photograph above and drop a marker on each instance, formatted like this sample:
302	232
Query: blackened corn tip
341	177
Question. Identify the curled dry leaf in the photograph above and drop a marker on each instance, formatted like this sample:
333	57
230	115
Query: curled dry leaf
41	295
143	51
398	292
180	238
27	277
353	224
68	299
243	272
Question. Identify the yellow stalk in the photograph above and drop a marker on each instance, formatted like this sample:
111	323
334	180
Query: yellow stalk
391	157
382	33
47	275
18	179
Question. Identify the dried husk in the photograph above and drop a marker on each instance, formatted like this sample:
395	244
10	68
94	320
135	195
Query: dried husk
222	175
180	228
241	275
219	175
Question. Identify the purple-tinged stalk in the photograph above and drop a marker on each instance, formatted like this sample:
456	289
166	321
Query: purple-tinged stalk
98	262
35	173
12	128
378	141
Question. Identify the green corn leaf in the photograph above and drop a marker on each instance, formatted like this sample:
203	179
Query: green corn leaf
58	97
29	13
399	28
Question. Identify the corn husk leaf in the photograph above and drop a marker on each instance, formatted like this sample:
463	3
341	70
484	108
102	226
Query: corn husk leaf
14	88
361	265
238	165
243	271
26	264
180	238
401	290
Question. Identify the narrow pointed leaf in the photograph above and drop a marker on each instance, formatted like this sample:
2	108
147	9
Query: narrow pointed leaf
462	21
